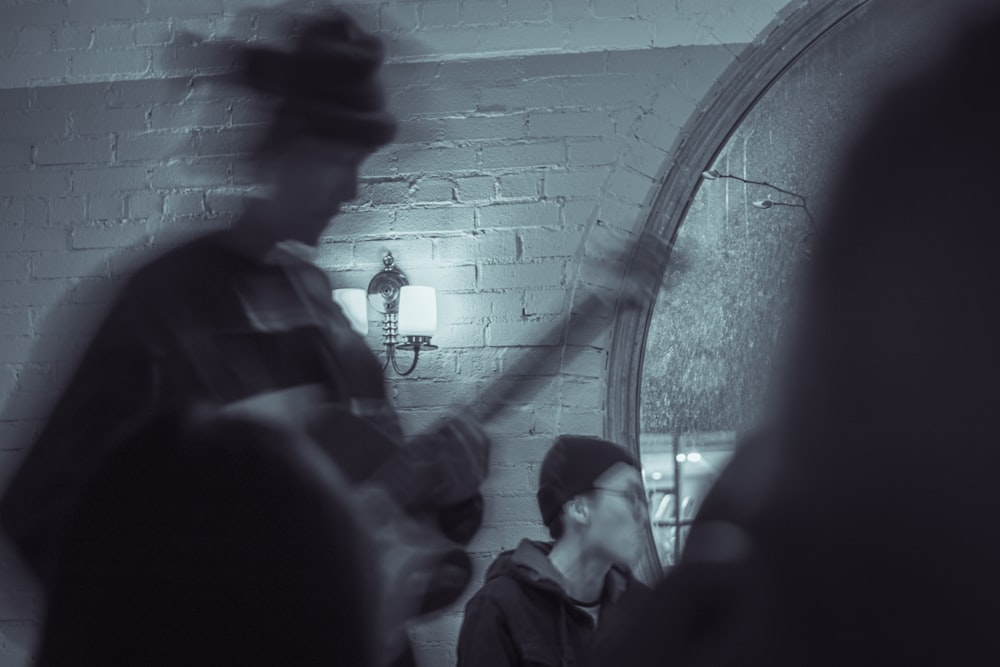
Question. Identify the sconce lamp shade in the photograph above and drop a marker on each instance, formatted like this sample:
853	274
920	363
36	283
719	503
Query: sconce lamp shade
354	303
417	310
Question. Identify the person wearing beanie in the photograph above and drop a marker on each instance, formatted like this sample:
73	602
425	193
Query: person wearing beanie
245	312
556	603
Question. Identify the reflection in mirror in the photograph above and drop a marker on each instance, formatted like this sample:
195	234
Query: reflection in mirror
716	330
718	327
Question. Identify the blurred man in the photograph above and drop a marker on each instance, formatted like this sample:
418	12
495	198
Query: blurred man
245	312
552	603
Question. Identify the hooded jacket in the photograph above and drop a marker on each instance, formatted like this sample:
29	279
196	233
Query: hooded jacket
522	616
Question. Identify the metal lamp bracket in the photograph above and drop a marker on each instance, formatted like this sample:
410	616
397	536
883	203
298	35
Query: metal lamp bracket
383	290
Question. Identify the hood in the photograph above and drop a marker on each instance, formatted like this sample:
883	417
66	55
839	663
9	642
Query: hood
529	564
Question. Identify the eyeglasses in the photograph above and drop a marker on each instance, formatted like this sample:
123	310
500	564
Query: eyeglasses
636	498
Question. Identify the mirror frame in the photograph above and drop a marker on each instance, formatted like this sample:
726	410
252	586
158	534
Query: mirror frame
722	111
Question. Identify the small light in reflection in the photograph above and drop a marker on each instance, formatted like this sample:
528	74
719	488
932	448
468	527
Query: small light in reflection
681	458
694	457
657	475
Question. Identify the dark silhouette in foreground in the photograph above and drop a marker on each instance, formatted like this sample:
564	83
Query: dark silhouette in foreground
213	538
861	528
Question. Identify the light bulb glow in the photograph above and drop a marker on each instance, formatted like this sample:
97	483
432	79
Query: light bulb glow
354	303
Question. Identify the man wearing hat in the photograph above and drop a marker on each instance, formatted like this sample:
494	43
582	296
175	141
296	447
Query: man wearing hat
555	603
246	312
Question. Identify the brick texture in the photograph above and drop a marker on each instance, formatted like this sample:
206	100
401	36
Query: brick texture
131	39
522	124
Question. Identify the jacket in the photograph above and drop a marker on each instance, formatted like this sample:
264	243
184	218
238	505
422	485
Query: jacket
205	321
522	616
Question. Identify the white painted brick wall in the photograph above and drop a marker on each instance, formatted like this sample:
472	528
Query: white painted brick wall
51	41
523	122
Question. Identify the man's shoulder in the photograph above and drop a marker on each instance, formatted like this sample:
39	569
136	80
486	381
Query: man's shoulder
504	586
193	266
203	252
500	587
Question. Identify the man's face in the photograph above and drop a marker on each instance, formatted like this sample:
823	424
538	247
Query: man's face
618	515
312	179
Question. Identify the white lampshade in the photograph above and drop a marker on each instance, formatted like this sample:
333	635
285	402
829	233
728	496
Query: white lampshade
354	303
417	310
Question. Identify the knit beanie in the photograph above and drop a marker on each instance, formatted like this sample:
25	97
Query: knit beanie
328	84
571	466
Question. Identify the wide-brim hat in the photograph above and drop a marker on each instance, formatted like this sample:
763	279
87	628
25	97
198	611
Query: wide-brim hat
328	84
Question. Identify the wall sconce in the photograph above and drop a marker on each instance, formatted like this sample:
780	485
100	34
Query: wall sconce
408	312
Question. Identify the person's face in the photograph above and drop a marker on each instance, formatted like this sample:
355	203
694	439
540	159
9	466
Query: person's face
618	515
311	180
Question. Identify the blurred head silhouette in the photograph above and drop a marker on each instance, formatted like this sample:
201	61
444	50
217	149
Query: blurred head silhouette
878	530
329	116
871	536
889	436
214	539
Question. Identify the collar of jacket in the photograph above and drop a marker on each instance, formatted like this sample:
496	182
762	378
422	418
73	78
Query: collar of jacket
529	563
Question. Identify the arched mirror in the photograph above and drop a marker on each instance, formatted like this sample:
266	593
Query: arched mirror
768	146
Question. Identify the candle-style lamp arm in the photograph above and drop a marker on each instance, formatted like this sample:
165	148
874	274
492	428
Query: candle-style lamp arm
390	355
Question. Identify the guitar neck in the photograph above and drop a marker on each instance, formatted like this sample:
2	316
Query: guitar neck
507	388
641	262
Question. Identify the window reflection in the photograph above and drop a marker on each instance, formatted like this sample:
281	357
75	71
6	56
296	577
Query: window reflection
717	333
678	471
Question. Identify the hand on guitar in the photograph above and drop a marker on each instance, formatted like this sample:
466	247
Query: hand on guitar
440	468
413	562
